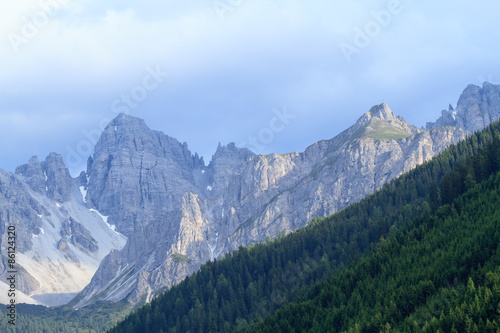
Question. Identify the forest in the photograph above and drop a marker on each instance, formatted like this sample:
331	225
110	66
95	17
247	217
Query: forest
419	255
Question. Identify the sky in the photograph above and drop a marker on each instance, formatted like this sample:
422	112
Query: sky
269	75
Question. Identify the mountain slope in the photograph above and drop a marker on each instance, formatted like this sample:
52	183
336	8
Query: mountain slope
253	283
412	272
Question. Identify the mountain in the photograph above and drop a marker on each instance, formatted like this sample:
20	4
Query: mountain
59	242
404	259
178	213
175	213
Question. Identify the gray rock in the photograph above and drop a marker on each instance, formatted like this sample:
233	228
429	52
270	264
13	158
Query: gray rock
477	108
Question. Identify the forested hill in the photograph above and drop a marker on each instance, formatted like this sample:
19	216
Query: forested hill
442	274
404	258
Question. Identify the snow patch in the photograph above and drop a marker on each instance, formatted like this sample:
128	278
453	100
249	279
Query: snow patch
83	191
41	230
58	205
39	215
209	188
104	218
46	178
116	128
454	115
213	247
202	172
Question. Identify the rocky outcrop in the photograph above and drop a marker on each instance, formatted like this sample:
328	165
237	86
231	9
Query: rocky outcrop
78	235
50	177
477	108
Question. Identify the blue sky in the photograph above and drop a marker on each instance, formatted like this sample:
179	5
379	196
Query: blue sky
271	75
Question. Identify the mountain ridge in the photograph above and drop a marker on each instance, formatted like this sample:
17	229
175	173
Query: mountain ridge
250	197
176	212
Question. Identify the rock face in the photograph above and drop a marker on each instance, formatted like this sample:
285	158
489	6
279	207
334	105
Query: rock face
477	108
178	213
59	241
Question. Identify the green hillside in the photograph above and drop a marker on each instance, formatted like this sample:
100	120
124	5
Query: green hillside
442	274
358	270
382	130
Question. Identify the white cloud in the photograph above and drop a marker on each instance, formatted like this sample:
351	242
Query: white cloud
264	54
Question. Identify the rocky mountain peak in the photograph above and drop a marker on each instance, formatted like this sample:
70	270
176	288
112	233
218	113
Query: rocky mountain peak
381	112
477	107
50	177
132	171
58	178
377	113
381	123
34	173
128	121
230	158
230	150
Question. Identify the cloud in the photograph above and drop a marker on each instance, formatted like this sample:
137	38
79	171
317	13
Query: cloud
228	73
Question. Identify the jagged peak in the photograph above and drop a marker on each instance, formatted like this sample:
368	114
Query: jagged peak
488	85
126	129
473	111
231	148
35	164
125	119
232	154
378	112
381	123
382	112
476	92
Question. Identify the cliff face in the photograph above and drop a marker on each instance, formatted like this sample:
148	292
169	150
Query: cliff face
178	213
477	108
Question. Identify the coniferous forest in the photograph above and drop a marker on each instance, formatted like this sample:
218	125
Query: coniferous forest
420	255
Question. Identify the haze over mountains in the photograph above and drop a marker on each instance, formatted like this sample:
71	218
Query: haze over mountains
153	212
